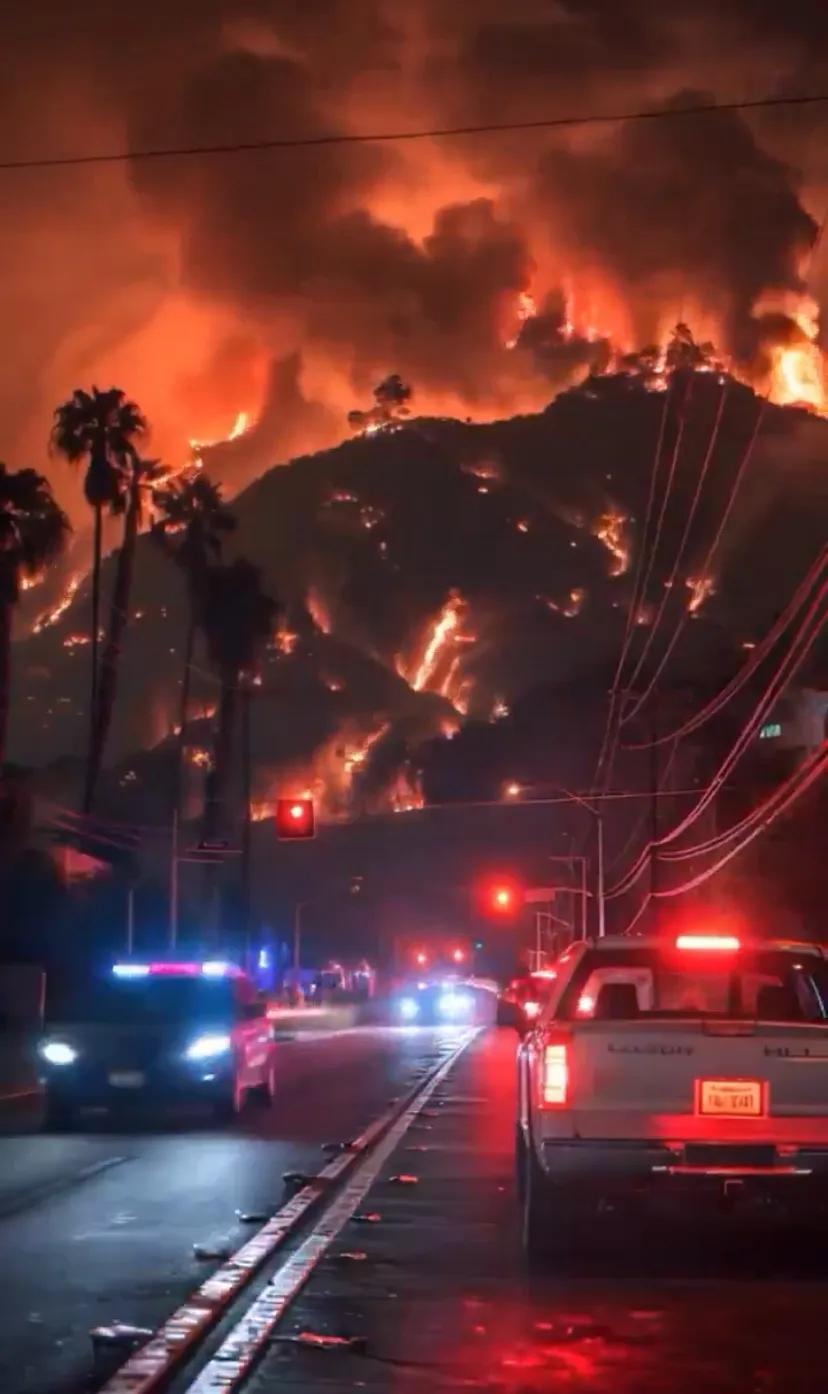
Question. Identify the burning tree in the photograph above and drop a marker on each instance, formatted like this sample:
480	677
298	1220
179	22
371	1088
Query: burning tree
391	398
33	532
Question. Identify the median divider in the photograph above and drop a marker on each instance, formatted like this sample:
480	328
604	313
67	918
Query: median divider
152	1365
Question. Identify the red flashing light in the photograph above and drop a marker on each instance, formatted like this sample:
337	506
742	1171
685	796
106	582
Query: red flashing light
295	818
712	943
459	956
421	958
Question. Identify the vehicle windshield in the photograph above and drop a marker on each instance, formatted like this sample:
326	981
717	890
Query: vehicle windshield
655	983
114	1001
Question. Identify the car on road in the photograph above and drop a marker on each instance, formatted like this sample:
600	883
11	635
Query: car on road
431	1003
673	1073
154	1033
520	1003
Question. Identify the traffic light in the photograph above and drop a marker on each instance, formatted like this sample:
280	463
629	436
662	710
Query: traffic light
295	818
501	897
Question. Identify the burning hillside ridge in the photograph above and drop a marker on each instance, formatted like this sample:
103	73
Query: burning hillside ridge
490	270
431	574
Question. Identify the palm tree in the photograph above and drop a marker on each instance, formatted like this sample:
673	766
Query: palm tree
33	532
192	521
99	428
140	478
238	620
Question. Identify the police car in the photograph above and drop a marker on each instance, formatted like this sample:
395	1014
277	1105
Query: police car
674	1070
153	1033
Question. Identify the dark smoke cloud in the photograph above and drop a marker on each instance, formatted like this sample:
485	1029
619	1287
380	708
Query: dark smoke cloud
192	280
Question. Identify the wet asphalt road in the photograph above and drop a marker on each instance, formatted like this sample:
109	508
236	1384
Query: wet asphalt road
443	1302
100	1225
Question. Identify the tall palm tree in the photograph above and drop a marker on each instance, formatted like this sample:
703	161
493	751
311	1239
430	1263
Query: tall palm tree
99	428
239	618
191	522
33	532
140	478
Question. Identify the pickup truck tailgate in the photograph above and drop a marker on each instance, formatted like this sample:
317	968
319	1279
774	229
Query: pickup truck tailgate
703	1079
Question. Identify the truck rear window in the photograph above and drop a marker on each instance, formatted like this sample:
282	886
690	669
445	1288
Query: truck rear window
650	983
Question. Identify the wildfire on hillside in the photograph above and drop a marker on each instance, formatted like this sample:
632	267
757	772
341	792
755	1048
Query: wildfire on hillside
50	617
238	428
318	611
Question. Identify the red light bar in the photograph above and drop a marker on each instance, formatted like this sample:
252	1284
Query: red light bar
713	943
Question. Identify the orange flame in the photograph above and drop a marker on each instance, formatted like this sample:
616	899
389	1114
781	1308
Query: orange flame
50	617
700	588
610	528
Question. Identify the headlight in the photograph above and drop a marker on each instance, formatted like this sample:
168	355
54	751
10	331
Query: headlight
454	1004
58	1053
409	1008
205	1047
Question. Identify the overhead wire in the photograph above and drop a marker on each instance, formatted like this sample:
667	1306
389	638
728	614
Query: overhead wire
679	557
818	768
707	563
334	138
757	657
800	647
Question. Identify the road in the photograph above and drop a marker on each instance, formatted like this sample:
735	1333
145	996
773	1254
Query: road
441	1299
100	1225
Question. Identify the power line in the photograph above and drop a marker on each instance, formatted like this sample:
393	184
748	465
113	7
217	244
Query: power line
435	133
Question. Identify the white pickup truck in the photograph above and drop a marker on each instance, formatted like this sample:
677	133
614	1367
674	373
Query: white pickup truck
661	1067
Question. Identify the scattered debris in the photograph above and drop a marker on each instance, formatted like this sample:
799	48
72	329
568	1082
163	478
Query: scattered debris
205	1252
349	1256
119	1334
320	1340
370	1217
334	1147
252	1217
404	1179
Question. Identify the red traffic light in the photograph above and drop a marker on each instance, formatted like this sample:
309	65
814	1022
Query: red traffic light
501	897
295	818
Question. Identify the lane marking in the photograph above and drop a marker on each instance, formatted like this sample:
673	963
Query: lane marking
241	1348
151	1366
48	1189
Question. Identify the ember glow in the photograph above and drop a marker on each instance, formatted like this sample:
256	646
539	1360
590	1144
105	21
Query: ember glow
50	617
318	611
238	428
611	529
438	668
700	589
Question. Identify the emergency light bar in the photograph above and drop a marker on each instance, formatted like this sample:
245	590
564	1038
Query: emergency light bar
712	943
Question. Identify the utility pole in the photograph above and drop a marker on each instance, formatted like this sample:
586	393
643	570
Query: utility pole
173	935
130	921
654	793
297	935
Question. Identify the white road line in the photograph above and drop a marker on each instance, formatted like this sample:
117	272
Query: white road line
151	1365
239	1351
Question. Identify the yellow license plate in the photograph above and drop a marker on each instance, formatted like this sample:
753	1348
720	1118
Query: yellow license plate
730	1098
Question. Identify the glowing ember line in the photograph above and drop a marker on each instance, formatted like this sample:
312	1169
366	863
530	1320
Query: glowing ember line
50	617
610	528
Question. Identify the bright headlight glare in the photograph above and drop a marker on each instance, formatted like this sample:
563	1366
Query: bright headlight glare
409	1008
58	1053
454	1003
206	1046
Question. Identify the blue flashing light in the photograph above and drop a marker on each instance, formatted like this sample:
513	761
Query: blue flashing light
130	970
409	1008
263	961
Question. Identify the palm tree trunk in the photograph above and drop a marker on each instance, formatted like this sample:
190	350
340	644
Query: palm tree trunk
247	827
5	678
110	660
93	650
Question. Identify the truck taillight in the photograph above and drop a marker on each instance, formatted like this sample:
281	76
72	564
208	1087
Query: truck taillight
555	1075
